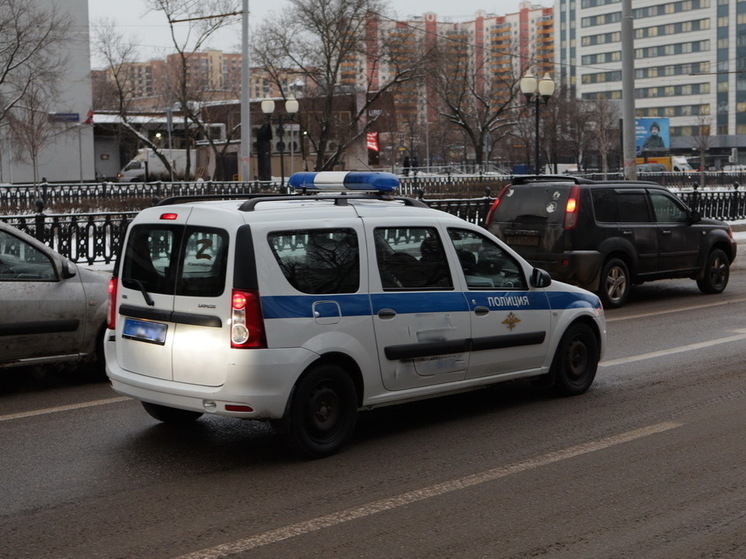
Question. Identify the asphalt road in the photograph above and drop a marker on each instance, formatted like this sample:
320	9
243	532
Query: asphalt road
648	464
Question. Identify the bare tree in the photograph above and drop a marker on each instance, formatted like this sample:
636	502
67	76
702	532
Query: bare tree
701	142
339	47
192	23
605	116
32	51
470	94
118	92
30	125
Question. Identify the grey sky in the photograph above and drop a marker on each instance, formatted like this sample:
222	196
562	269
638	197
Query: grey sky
150	30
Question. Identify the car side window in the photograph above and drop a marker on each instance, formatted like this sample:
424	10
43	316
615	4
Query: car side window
486	265
20	261
604	204
411	258
667	210
632	207
318	261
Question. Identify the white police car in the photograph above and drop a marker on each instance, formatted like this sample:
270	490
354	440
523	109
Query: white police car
304	309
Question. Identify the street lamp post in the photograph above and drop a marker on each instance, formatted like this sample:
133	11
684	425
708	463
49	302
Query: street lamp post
539	90
291	107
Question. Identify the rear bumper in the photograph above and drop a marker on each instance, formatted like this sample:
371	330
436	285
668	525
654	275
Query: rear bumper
260	379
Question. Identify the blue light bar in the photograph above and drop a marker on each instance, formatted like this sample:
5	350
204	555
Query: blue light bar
345	180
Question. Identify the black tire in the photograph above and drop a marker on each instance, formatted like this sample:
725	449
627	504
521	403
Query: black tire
716	273
323	412
615	283
575	361
171	416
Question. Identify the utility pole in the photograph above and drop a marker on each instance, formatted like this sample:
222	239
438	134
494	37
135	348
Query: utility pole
628	92
245	166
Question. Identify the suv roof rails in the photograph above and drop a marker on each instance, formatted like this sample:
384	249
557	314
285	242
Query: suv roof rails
527	179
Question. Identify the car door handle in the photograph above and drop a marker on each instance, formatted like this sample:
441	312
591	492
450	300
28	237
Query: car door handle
665	231
481	310
626	231
386	313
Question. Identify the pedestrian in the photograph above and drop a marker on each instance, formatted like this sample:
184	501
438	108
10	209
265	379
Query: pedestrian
406	165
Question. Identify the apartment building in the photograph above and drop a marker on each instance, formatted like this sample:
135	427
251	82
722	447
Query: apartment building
689	61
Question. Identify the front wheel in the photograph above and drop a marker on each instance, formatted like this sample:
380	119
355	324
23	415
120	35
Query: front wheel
716	273
323	412
576	360
615	283
171	416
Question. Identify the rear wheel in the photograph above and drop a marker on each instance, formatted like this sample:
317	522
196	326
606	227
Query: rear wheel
615	283
323	412
716	273
172	416
576	360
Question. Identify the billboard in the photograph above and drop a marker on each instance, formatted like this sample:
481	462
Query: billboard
652	134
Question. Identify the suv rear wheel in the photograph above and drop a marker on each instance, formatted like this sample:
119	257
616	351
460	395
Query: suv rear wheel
716	273
615	283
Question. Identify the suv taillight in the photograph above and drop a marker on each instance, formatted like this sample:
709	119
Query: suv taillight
247	323
496	203
111	317
572	208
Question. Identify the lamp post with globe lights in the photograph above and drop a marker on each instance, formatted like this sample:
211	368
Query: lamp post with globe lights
291	107
537	90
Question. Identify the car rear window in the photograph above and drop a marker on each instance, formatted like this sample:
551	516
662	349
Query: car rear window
318	261
533	203
178	260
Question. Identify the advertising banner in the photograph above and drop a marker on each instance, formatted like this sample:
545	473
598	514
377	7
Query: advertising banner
652	135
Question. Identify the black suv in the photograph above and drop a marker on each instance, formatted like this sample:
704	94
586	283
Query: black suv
607	235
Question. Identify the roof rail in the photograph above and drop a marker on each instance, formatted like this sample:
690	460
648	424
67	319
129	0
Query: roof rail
526	179
209	197
339	200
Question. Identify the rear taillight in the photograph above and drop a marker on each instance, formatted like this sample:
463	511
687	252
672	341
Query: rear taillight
572	208
111	318
496	203
247	323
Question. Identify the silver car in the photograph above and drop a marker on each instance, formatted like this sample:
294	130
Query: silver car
51	310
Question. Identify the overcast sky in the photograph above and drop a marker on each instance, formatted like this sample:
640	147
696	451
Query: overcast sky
150	30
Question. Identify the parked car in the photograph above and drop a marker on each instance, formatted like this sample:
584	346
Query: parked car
303	309
606	236
51	310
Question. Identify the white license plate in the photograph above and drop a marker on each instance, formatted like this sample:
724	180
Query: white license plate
144	331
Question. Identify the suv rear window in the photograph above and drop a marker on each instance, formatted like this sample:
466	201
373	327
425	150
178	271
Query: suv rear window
528	204
318	261
187	261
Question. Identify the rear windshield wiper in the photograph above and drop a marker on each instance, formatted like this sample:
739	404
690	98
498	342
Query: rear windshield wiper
145	294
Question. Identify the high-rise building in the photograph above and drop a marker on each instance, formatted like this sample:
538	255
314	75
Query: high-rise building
688	60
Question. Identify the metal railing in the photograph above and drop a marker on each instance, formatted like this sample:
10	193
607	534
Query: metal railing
95	237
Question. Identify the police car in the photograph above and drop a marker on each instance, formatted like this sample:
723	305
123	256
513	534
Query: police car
305	309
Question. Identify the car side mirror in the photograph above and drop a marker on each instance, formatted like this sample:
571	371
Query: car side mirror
695	216
68	269
540	278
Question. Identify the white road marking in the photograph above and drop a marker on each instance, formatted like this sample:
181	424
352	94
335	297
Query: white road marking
403	499
63	408
669	311
670	351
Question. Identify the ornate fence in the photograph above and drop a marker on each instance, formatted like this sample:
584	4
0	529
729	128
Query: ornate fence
96	237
